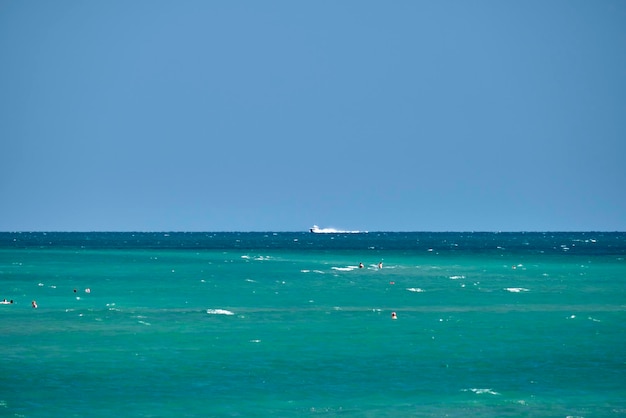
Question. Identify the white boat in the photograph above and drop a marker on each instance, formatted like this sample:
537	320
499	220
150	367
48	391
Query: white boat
317	230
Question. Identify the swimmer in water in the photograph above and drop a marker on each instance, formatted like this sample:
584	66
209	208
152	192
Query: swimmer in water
34	304
360	265
394	316
380	265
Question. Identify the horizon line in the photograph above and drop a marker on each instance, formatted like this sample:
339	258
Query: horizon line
306	231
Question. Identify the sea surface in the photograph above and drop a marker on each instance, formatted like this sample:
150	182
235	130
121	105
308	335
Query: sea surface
288	324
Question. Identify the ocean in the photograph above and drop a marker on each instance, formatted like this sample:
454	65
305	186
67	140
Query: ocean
288	324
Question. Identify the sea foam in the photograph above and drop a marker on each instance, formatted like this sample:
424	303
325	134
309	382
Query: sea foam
219	312
481	391
516	289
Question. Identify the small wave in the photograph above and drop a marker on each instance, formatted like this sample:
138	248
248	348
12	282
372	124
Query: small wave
414	289
516	289
481	391
219	312
457	277
348	268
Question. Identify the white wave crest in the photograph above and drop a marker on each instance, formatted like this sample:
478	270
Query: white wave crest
457	277
257	258
348	268
414	289
516	289
219	312
481	391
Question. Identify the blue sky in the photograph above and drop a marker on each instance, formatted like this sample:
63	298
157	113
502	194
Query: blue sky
275	115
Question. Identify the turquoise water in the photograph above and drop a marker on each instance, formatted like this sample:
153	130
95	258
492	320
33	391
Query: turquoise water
287	324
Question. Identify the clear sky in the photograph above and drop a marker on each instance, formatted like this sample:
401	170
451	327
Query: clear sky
151	115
